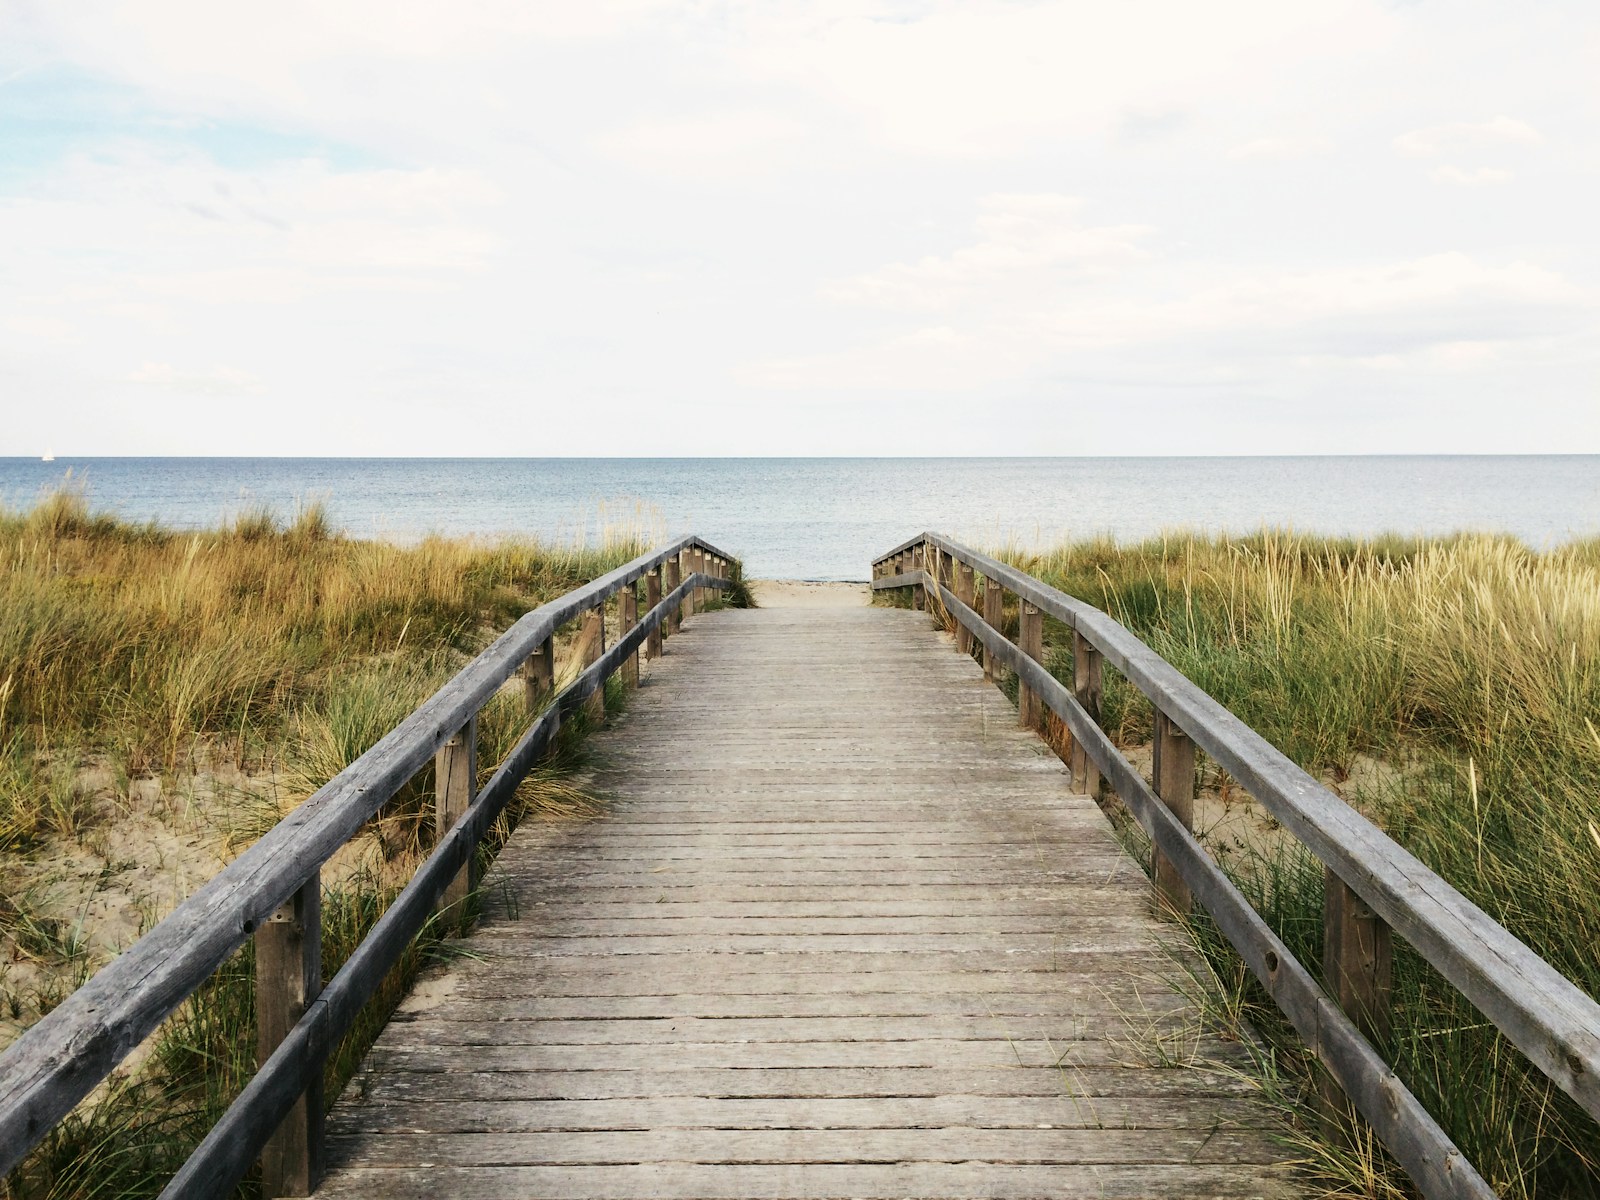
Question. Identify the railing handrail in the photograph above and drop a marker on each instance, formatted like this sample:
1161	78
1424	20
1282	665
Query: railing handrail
1548	1017
69	1051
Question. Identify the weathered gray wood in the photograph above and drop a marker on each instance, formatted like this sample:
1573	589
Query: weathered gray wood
994	600
758	916
539	676
1030	639
1407	1129
62	1057
1545	1015
455	773
652	597
1172	766
591	645
288	980
1358	958
915	562
770	1181
627	619
965	589
687	568
1087	685
674	570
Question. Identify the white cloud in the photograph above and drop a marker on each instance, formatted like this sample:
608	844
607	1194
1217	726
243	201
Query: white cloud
1476	177
1026	243
1435	141
213	381
1279	149
723	143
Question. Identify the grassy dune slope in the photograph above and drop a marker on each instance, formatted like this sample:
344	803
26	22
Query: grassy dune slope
1450	688
165	697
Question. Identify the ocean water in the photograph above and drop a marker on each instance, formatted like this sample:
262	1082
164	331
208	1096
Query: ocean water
812	518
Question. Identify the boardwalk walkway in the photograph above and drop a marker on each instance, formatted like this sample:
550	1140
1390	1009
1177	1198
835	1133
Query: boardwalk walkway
844	931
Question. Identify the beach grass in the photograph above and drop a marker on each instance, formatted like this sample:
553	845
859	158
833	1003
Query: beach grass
135	658
1449	688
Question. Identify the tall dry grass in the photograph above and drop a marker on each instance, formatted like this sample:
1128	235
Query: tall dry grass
1471	666
285	648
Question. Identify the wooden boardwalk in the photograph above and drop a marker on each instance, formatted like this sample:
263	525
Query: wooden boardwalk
844	931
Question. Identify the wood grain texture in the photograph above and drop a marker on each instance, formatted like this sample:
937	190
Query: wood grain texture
843	930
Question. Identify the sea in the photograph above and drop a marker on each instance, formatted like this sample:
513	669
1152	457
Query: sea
827	518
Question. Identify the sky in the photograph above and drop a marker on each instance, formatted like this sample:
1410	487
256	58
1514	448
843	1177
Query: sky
763	227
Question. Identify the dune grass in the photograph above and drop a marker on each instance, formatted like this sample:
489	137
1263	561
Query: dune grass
1469	667
274	647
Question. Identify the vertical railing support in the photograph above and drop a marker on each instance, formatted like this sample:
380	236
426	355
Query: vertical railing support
1357	958
288	979
688	568
1030	640
994	609
539	675
1087	685
674	578
965	592
652	597
1173	769
628	603
455	784
919	596
591	645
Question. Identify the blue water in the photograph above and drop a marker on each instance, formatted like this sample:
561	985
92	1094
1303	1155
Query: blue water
809	518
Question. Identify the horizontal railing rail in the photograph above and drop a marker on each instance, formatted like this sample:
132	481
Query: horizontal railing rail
1374	886
270	891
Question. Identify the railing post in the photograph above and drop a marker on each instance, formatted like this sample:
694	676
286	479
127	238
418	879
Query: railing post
1030	640
966	593
687	559
539	675
288	979
994	609
628	618
652	597
1086	687
674	578
455	784
1173	768
1357	958
919	596
591	645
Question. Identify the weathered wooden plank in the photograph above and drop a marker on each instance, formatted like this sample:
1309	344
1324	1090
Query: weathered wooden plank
1040	1085
774	1181
1217	1144
882	1112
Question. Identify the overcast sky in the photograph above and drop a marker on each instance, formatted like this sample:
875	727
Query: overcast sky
838	227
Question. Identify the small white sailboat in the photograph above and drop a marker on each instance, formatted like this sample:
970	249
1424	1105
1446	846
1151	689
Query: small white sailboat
48	456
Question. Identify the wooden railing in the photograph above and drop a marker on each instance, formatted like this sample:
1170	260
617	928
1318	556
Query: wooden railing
1374	887
272	892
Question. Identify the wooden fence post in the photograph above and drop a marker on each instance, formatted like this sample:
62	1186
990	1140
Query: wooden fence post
628	619
1086	687
966	593
591	645
652	597
539	675
994	609
688	572
455	784
288	979
1030	640
674	578
1173	768
1357	958
919	596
